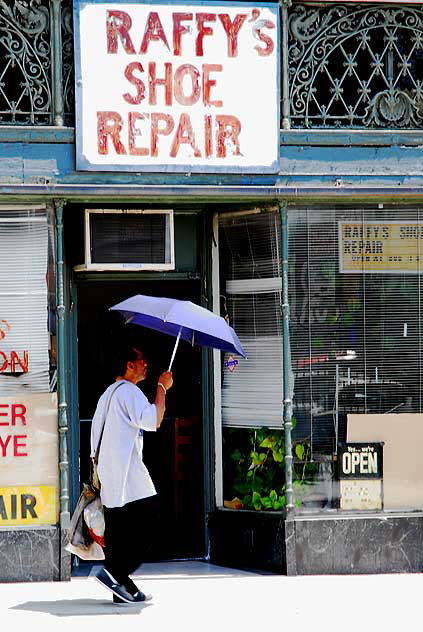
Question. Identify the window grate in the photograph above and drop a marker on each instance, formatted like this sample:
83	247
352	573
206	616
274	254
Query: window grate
355	66
25	74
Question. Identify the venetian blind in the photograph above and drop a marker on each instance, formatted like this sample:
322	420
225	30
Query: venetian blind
23	299
250	270
355	301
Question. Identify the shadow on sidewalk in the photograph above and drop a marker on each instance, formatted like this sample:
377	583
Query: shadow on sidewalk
78	607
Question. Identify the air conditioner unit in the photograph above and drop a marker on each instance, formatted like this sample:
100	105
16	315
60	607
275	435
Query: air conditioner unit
128	240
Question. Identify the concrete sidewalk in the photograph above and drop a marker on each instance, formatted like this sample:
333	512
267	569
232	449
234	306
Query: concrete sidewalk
197	597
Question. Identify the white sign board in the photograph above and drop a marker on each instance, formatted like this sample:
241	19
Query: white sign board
29	471
180	87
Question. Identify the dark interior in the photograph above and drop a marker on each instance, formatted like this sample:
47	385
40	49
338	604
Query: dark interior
173	455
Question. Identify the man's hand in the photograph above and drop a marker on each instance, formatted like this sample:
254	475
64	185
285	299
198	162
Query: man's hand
163	385
166	379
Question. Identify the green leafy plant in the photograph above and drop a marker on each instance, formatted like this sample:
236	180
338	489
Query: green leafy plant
254	467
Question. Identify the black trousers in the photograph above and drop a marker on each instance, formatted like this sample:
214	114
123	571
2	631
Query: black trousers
128	536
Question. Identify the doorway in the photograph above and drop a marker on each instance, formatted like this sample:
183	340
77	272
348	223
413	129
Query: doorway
173	455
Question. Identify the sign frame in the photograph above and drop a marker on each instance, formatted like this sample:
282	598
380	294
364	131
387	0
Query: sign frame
365	267
85	164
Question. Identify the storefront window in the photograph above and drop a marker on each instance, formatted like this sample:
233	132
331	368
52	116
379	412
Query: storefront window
252	391
27	302
29	476
356	347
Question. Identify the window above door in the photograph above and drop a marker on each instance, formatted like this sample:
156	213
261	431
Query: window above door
128	240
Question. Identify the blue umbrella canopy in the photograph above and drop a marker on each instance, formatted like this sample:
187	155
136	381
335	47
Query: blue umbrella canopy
183	319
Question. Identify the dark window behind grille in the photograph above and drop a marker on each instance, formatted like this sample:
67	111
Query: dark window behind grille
25	69
128	238
356	66
355	337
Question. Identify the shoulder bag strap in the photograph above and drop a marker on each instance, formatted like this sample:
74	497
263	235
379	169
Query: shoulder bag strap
97	452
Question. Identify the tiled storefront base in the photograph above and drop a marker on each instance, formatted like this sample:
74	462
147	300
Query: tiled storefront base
32	555
389	543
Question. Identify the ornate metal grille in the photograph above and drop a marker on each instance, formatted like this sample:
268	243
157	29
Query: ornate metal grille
68	64
25	63
355	66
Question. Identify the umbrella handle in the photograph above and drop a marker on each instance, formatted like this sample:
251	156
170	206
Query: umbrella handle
174	349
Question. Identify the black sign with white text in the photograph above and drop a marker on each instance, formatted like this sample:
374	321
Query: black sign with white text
360	460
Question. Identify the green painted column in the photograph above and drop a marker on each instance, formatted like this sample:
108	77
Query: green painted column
287	401
61	375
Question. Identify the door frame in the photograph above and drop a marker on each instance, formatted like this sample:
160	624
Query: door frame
76	279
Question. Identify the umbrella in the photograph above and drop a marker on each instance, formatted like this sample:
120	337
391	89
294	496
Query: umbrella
182	319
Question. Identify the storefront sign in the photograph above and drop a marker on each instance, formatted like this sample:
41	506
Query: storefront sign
360	495
360	460
28	459
190	87
360	473
381	247
28	505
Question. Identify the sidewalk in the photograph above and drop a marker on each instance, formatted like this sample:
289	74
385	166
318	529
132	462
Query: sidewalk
200	597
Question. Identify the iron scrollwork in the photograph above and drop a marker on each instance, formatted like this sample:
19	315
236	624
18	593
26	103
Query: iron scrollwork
356	66
68	63
25	72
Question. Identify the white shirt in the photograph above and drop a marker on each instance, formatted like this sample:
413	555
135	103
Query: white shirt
121	470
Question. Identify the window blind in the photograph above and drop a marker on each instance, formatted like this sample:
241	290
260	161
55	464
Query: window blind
252	393
23	300
356	316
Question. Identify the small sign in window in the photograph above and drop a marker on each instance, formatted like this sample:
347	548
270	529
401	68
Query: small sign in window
360	474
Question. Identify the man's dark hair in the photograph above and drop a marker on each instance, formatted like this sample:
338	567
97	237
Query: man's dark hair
121	359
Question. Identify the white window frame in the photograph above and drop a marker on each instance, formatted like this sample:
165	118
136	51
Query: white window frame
129	267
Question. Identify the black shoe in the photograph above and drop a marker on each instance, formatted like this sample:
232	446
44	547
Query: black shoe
109	582
138	597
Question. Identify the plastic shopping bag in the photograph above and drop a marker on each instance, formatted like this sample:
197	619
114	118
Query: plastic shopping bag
94	519
81	541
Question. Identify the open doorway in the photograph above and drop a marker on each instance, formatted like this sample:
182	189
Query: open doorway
173	455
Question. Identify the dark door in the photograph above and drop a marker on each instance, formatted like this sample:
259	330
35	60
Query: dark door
173	455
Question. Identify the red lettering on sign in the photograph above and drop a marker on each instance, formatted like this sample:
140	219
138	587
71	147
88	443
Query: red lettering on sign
179	29
109	124
17	444
208	145
219	133
153	32
133	131
4	326
4	423
118	23
229	128
156	130
15	359
18	415
184	134
263	52
232	29
16	411
209	83
187	70
203	30
138	83
166	82
4	444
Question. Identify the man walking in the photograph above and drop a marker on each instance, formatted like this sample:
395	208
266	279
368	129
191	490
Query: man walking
126	486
